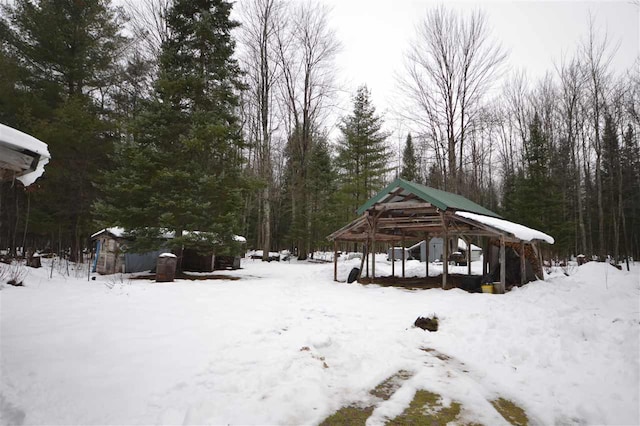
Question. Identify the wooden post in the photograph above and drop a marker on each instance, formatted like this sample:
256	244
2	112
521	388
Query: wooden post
445	259
523	266
364	250
426	255
335	260
393	260
373	244
541	262
503	267
485	255
403	255
468	257
367	258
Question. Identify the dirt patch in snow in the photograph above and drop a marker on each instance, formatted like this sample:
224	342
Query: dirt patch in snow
470	283
426	408
183	276
358	415
511	412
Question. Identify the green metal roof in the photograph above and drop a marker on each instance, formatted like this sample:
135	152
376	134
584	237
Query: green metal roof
441	199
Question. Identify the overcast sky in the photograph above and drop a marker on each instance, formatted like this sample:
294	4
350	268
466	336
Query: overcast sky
375	35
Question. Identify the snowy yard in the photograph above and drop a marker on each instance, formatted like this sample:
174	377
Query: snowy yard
287	345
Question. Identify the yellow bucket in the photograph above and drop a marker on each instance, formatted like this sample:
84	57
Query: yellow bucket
487	288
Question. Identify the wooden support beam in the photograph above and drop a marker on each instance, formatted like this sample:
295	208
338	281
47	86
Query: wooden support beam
445	260
503	268
364	251
367	260
403	255
408	226
541	262
409	219
401	205
426	255
523	266
335	260
393	260
373	245
468	241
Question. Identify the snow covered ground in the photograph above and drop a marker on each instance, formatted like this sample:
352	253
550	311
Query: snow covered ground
287	345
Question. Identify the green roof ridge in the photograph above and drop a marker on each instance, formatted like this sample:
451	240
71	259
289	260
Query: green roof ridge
442	199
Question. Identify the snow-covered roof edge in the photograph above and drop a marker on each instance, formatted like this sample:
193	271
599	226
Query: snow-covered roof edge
21	140
116	231
519	231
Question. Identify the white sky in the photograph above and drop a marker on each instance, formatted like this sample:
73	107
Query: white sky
376	33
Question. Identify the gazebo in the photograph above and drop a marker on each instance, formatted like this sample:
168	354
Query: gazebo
407	211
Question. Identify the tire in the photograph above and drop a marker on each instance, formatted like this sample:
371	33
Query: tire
353	275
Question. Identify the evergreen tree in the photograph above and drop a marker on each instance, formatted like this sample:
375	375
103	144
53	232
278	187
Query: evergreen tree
531	197
435	178
62	59
630	165
409	162
362	153
610	172
322	189
181	170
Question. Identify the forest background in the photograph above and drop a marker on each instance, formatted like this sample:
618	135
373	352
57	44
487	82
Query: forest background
186	115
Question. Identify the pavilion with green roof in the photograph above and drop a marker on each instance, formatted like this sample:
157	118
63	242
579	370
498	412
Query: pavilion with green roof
407	211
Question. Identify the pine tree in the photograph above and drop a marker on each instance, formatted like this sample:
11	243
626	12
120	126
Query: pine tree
409	162
610	169
65	53
321	188
181	171
630	165
531	197
362	152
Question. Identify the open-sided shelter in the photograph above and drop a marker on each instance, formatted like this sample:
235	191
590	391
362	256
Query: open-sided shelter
406	211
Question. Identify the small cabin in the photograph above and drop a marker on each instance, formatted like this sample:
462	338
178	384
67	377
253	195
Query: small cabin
111	255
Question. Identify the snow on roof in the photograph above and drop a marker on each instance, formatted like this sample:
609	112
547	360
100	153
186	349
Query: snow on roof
22	141
519	231
236	238
116	231
119	232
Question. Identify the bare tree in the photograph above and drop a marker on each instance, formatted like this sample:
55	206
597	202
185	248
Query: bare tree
572	83
598	55
306	49
449	69
148	24
261	19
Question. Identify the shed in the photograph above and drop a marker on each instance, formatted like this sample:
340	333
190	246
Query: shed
111	256
406	211
419	250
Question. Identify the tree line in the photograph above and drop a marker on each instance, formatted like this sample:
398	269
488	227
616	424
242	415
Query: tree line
181	115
